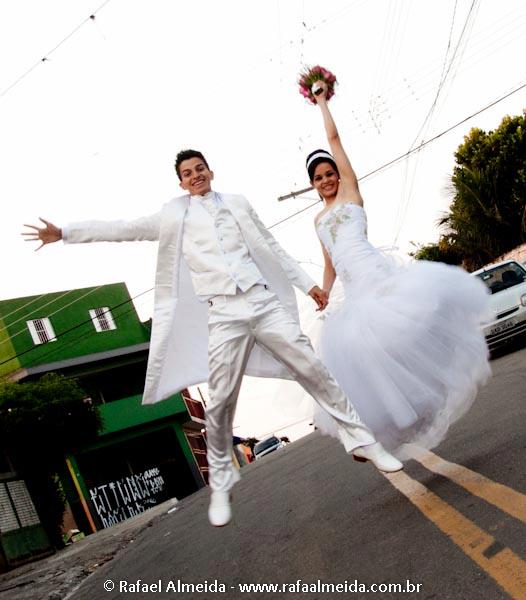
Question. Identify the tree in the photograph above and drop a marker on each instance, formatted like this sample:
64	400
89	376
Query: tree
487	216
40	422
439	252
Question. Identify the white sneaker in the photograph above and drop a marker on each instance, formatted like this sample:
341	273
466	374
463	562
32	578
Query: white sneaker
219	511
379	456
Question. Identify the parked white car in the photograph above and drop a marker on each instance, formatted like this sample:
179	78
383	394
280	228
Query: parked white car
507	283
267	446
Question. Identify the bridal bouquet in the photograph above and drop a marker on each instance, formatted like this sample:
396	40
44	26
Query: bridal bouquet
310	76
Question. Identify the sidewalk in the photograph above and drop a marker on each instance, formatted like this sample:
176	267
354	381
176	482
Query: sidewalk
54	577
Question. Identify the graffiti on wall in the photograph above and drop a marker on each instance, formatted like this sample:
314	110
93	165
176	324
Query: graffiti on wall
118	500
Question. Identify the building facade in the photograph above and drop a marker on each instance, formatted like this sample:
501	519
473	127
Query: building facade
144	454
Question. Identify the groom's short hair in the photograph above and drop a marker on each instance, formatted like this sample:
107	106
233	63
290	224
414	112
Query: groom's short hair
185	155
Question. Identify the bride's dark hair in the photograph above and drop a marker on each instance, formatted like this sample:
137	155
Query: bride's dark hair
317	157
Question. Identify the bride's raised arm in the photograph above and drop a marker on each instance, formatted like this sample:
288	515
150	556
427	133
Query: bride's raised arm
348	189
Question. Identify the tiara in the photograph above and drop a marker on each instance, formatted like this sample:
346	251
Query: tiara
320	154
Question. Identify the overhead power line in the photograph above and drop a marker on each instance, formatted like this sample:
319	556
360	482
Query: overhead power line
406	154
409	181
46	56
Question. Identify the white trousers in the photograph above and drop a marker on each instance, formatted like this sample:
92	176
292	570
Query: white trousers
235	324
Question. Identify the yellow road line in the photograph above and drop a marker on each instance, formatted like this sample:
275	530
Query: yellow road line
504	498
499	562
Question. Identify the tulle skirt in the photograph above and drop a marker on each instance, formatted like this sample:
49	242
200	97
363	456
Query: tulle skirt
409	352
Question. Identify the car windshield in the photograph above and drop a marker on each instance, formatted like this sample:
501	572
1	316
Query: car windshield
503	277
265	444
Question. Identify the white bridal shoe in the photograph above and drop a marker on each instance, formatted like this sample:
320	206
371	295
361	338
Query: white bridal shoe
219	512
380	458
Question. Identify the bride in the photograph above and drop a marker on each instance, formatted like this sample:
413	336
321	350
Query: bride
406	344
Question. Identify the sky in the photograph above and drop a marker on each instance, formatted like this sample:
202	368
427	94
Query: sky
92	131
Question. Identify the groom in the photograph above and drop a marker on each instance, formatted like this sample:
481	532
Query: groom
224	305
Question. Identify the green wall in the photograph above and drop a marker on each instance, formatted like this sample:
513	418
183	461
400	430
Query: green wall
6	352
129	412
69	310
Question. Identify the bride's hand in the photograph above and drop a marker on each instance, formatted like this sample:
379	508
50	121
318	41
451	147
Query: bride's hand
319	90
321	297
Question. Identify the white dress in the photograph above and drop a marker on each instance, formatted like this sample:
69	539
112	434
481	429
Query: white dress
406	344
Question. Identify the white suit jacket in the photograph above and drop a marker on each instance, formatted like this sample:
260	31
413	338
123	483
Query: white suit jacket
179	342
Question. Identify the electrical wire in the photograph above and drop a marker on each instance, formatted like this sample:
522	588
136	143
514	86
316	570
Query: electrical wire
404	94
46	56
406	154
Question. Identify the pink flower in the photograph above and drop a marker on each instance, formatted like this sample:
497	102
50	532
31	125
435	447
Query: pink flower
309	76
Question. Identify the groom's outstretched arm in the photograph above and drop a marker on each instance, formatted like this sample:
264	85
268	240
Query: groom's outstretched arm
144	228
141	229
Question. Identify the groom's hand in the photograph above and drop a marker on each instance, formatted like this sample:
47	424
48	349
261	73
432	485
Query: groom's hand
45	235
320	297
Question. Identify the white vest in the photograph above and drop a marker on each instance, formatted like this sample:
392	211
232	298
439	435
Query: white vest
214	249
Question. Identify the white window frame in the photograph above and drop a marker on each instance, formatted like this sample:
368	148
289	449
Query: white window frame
41	331
102	319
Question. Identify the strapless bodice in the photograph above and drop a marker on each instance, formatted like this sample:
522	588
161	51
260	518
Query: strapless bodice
343	223
343	232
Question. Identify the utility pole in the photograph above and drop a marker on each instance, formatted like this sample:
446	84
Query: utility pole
295	194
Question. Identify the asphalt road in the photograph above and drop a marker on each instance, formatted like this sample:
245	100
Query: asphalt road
310	513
